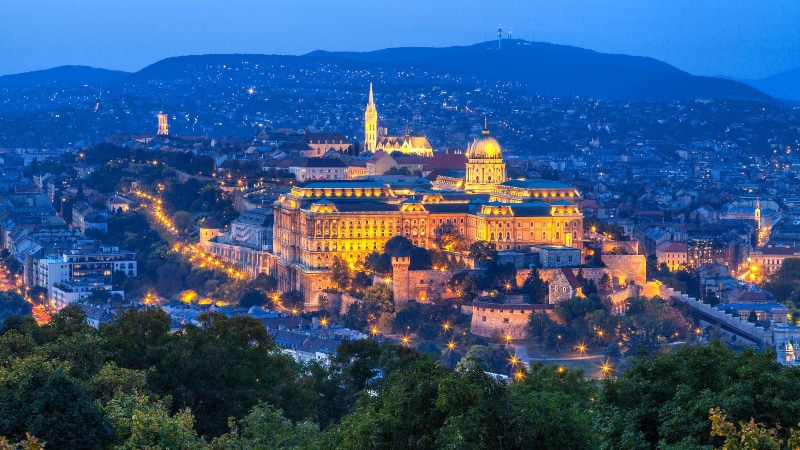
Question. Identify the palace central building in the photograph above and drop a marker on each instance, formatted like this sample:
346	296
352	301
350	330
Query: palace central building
319	220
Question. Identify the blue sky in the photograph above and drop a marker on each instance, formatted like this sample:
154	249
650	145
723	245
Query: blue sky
743	39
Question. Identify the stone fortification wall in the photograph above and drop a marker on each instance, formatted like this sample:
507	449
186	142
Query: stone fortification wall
489	318
421	285
631	246
732	321
346	302
626	268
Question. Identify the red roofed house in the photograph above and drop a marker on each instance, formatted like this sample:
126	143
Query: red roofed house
673	254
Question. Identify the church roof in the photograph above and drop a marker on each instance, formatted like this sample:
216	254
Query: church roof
397	142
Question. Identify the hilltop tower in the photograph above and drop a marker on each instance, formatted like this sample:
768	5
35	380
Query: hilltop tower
370	124
163	124
485	166
400	283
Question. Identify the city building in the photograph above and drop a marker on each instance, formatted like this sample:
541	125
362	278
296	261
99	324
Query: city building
320	220
248	243
769	258
673	254
77	271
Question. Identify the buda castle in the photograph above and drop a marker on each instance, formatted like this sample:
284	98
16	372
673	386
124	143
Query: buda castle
319	220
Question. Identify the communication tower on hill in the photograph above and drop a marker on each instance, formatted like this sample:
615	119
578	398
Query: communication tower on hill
499	35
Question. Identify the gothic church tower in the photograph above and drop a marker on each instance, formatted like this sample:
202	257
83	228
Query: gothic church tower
370	124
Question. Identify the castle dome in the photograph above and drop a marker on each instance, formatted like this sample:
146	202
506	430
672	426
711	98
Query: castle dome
484	147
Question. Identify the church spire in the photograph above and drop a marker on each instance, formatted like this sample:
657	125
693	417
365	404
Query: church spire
370	123
371	101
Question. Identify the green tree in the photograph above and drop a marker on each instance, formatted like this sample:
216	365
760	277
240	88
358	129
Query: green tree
183	222
255	370
665	400
448	238
292	299
536	288
266	427
137	339
379	298
464	285
360	282
488	358
340	274
12	304
785	280
253	298
483	252
605	284
140	422
538	325
502	276
378	263
37	396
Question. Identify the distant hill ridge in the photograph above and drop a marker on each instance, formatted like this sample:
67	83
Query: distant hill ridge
782	85
64	75
544	68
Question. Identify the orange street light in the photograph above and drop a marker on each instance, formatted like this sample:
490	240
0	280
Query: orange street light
519	375
508	338
374	331
582	349
606	368
451	346
324	321
405	340
514	361
446	326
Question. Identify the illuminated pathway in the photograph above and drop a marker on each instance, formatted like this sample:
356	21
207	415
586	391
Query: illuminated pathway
192	252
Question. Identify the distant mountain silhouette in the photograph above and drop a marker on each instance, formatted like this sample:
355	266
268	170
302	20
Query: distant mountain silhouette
548	69
784	85
562	70
65	75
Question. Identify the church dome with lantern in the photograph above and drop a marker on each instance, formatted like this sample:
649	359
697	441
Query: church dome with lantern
484	147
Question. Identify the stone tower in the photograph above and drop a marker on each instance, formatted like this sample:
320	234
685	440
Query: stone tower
400	280
370	124
163	124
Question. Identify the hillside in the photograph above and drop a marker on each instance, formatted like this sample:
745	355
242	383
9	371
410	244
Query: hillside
785	85
543	68
62	75
561	70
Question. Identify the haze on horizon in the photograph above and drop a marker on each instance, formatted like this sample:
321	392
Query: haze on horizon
745	39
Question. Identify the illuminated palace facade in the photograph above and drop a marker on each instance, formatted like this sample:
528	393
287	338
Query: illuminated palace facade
319	220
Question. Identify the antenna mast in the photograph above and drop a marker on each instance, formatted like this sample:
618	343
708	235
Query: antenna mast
499	35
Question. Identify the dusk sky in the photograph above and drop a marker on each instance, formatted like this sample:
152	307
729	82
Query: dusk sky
742	39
